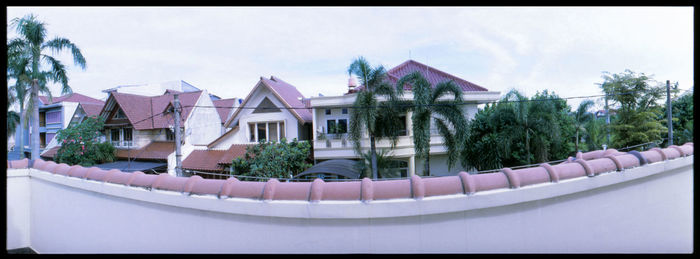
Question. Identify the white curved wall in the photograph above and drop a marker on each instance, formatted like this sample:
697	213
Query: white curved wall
639	210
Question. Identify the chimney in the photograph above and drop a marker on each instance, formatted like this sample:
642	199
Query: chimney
352	83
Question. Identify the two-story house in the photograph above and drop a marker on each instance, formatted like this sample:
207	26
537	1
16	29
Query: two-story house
142	127
57	114
331	115
273	110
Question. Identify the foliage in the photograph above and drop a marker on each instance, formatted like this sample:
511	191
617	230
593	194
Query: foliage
387	166
581	118
518	131
80	144
639	116
367	114
682	114
29	52
12	118
274	159
448	116
595	134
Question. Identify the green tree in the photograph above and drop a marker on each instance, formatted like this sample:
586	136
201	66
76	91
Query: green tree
636	96
484	148
581	118
682	118
29	48
367	114
12	118
274	159
17	93
386	165
443	104
595	134
80	144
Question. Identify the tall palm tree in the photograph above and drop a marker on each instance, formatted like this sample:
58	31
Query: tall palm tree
581	118
429	102
531	121
366	114
29	48
18	93
12	117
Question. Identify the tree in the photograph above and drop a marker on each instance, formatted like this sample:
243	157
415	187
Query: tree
80	144
274	159
386	165
366	113
12	118
595	134
429	104
17	93
639	119
682	114
581	118
29	48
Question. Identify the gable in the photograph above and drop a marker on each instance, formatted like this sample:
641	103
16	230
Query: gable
266	106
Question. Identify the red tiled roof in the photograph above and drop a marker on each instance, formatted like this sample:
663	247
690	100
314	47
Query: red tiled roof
92	109
290	95
140	110
73	97
234	151
213	160
154	150
434	76
204	160
224	107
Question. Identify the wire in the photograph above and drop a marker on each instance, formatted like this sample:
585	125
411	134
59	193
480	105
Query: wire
435	104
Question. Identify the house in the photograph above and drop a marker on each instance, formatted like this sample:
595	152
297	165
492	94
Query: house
141	127
57	114
331	115
273	110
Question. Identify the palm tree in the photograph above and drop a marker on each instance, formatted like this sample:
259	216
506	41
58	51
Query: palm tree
18	93
428	102
29	48
581	118
12	117
530	121
366	113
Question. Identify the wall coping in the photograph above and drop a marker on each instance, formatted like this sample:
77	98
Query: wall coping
359	209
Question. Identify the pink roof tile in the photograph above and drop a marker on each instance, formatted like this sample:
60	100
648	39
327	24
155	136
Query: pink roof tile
433	75
73	97
146	112
224	107
154	150
290	95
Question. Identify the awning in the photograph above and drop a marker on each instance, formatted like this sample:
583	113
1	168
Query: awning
133	166
343	167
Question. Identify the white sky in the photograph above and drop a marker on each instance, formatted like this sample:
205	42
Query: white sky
227	49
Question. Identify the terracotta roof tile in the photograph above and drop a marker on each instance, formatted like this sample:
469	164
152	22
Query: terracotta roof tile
291	95
234	151
154	150
434	76
224	107
204	160
73	97
140	110
92	109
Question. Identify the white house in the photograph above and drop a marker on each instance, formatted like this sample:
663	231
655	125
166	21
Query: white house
331	119
273	110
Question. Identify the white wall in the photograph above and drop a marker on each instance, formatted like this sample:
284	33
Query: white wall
640	210
203	122
18	208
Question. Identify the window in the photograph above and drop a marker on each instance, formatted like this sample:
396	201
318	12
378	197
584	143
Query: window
328	111
404	130
114	136
119	114
266	131
169	135
344	110
49	137
42	119
53	117
128	137
339	126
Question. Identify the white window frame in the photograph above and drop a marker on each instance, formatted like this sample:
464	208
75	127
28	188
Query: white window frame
280	128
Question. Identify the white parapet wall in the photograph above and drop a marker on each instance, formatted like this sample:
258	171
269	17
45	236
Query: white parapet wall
645	209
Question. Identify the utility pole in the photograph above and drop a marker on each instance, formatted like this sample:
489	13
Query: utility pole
668	112
607	119
178	155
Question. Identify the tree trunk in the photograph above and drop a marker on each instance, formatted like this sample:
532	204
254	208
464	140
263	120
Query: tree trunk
577	141
426	170
34	140
527	145
22	122
373	156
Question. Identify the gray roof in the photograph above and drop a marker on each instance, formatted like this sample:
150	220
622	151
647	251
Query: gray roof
133	166
343	167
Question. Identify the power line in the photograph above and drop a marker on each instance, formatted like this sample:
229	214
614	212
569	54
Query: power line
437	104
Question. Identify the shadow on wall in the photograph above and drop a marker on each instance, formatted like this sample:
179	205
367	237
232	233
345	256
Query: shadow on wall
587	164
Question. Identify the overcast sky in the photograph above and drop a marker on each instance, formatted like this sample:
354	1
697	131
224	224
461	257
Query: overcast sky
227	49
